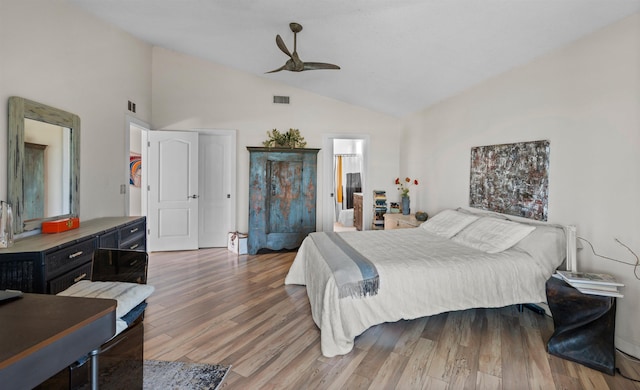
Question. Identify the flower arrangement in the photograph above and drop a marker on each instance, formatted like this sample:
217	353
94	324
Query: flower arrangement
404	186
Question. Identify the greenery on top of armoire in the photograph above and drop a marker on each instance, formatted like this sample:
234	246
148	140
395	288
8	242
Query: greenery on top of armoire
291	139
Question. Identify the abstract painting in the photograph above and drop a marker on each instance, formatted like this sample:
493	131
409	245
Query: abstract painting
511	179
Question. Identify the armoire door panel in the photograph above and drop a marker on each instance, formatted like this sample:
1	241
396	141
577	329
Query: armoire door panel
284	197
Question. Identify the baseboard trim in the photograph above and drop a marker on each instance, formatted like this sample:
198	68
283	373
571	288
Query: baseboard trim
627	347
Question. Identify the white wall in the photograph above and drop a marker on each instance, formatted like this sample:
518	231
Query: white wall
189	93
70	60
53	53
585	99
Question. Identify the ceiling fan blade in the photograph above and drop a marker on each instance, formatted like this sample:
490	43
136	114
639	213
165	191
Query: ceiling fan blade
282	46
290	65
319	65
283	67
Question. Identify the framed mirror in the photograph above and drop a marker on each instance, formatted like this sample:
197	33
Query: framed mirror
43	162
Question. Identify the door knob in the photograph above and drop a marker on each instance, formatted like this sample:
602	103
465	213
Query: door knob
193	196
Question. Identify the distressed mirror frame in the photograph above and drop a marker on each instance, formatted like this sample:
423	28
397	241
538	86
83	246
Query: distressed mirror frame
19	109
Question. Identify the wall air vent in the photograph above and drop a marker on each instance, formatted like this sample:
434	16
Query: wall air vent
281	99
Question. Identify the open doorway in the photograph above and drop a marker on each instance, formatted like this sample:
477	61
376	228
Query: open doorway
136	194
347	183
216	184
344	180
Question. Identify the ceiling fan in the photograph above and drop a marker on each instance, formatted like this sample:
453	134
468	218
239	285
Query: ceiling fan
294	63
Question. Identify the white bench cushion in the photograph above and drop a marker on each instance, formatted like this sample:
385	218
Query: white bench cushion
128	295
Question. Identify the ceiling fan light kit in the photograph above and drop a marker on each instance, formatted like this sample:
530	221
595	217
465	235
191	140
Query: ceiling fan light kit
294	63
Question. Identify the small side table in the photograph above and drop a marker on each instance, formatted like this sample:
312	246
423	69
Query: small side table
400	221
584	326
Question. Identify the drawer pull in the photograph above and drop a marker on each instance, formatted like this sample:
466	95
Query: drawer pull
74	255
133	263
134	246
134	230
79	278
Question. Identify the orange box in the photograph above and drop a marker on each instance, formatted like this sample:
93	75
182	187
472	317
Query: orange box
60	225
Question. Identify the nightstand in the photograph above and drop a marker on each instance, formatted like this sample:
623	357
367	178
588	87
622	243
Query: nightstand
400	221
584	326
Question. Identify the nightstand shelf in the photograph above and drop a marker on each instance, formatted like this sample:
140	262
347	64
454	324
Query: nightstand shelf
379	209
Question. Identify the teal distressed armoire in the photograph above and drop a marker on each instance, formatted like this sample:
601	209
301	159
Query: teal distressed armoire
282	197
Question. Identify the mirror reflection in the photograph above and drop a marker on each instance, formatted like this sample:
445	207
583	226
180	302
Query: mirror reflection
47	170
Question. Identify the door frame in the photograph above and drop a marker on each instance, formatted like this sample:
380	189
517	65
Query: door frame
145	127
328	209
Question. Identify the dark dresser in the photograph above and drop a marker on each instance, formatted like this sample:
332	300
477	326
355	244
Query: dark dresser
49	263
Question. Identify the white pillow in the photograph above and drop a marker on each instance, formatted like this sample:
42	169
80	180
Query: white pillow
546	244
447	223
128	295
493	235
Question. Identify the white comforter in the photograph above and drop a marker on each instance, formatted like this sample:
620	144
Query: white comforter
420	275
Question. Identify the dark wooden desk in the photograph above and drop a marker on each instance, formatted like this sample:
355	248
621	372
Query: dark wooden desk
42	334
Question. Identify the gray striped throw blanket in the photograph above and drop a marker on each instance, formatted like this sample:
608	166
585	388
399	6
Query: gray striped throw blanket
354	274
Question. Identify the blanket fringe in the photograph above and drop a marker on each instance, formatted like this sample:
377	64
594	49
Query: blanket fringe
360	289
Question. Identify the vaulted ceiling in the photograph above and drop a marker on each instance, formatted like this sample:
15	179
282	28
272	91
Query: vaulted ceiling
396	56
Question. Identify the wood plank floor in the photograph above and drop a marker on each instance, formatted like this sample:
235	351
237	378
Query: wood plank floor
212	306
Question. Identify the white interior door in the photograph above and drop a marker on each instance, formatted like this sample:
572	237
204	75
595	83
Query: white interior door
173	190
216	186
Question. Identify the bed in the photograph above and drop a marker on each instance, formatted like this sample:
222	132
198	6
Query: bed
457	260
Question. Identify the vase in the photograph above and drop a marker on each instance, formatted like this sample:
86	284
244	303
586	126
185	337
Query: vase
406	210
421	216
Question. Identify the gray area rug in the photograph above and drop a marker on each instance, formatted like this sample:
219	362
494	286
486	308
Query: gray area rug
181	375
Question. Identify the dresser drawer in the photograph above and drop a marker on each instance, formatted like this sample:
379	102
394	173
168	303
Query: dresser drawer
132	232
62	260
63	282
109	239
400	221
138	244
405	225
